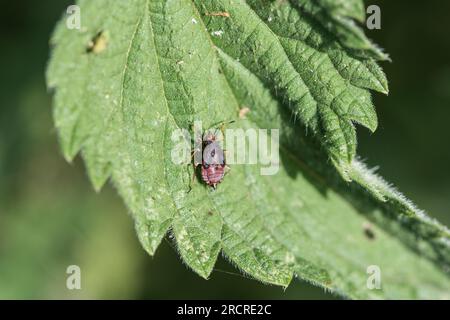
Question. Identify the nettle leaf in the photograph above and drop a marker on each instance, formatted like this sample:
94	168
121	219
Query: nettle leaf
139	69
337	16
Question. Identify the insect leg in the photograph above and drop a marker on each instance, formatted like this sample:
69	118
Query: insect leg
192	179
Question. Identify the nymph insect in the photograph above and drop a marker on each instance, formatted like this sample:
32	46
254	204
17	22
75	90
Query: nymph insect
213	164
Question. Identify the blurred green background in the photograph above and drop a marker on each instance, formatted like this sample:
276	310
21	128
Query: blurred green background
51	218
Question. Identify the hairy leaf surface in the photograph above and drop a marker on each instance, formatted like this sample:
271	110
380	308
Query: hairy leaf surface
301	66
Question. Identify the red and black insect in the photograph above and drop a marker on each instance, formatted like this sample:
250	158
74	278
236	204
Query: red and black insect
213	165
213	162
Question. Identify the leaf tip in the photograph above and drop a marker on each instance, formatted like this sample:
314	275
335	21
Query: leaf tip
150	238
98	185
98	174
197	251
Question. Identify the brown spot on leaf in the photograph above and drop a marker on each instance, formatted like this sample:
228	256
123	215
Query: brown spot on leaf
98	43
218	14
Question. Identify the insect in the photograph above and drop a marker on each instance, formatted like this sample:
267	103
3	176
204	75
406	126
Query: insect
213	162
213	165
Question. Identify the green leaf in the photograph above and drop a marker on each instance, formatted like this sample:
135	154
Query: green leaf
336	16
161	65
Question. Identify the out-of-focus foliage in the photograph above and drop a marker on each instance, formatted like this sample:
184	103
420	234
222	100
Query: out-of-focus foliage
49	218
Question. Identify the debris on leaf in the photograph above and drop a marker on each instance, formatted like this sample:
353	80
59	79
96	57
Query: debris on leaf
243	112
219	14
98	44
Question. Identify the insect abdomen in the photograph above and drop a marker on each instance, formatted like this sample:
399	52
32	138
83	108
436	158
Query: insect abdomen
213	174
